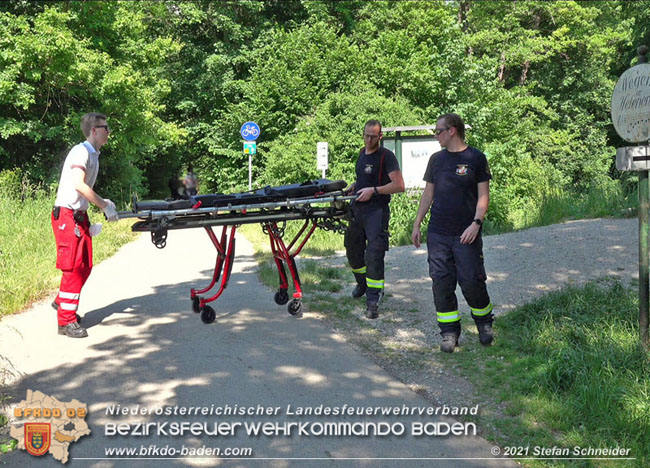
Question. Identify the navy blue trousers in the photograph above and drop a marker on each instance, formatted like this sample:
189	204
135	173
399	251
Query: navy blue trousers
366	243
451	262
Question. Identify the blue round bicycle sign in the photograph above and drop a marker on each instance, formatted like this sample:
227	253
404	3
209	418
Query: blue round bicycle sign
250	131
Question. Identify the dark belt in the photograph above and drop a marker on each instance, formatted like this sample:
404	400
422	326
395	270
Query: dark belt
78	215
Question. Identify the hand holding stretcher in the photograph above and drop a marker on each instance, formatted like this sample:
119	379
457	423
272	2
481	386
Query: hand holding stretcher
320	203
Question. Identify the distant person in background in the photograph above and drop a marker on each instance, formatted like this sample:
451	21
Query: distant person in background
366	240
458	192
191	182
74	249
176	187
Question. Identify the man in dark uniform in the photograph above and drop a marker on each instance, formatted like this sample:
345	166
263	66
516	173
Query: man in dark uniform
366	240
458	192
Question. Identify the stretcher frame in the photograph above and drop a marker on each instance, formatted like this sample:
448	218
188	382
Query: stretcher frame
324	210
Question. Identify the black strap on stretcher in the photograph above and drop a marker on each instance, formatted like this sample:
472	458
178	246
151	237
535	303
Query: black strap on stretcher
320	203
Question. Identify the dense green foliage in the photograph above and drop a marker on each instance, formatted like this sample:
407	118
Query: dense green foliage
177	80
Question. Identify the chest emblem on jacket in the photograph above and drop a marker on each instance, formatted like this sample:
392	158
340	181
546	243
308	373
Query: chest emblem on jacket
368	169
461	169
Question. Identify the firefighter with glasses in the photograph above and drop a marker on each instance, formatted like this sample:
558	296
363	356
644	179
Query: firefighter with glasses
458	192
72	230
366	240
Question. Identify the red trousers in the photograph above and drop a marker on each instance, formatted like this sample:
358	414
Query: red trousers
74	257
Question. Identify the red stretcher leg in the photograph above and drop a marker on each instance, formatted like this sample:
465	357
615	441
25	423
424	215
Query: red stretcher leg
282	253
208	314
220	245
281	296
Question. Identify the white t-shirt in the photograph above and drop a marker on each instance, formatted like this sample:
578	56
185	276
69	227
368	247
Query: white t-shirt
85	157
191	181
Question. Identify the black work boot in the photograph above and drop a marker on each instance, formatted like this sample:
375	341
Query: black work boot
360	289
372	310
485	335
73	330
55	306
381	297
449	342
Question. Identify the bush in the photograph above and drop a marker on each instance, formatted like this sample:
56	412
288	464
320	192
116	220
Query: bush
403	210
11	183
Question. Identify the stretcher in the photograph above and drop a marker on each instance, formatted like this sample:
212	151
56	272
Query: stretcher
320	204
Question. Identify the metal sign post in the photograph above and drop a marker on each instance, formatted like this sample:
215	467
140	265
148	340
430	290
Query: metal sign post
321	156
644	206
630	115
249	132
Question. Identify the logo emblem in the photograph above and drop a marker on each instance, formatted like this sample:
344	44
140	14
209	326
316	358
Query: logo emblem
461	169
368	169
37	438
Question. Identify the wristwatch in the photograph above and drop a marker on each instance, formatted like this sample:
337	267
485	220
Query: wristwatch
478	221
376	191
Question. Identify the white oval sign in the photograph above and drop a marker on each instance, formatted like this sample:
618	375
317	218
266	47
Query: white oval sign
631	104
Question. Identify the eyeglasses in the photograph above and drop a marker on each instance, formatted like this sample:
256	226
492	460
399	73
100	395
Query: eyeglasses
105	127
371	137
438	131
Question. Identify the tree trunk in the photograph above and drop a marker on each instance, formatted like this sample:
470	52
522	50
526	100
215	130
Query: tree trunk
463	11
502	68
524	72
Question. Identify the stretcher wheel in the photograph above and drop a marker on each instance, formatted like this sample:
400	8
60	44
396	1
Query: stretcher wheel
281	297
295	307
208	314
196	304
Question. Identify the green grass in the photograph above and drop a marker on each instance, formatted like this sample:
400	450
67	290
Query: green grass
571	372
567	370
7	444
321	243
28	253
596	202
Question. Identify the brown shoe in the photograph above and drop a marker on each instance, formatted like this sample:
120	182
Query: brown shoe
73	330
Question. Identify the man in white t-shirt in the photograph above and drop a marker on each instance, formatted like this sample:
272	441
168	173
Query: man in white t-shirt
74	250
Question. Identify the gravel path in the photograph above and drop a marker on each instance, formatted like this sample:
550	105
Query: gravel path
523	265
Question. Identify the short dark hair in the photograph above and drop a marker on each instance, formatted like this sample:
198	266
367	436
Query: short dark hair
372	123
454	120
89	120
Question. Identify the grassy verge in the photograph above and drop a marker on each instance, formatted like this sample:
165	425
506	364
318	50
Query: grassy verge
28	253
596	202
321	243
568	371
565	371
7	444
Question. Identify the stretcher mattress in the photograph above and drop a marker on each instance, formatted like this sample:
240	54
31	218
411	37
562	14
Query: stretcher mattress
263	195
